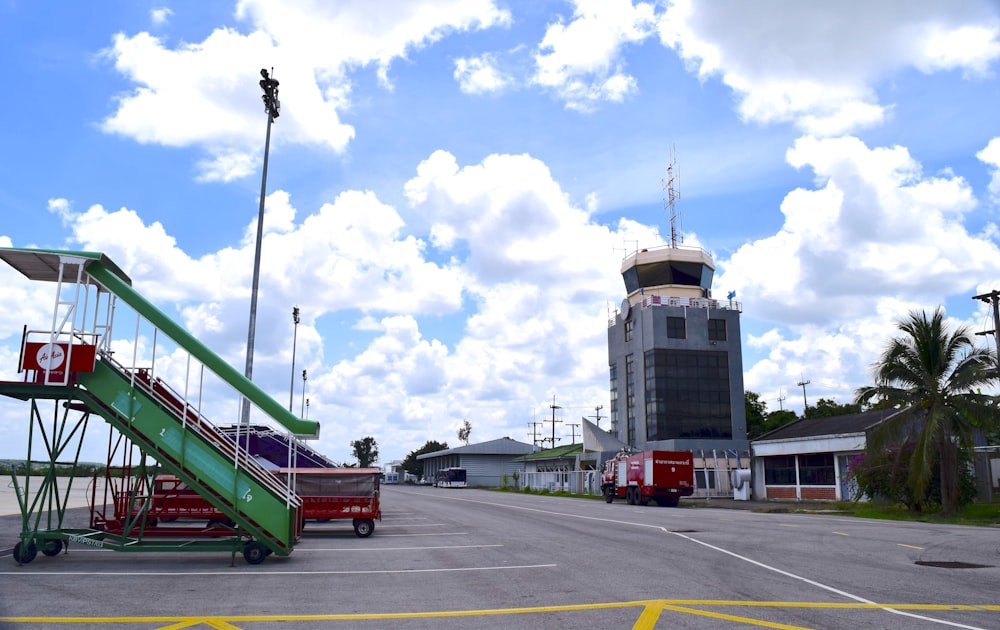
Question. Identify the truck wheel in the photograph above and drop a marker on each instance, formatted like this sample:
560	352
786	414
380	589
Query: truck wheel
254	552
609	494
629	496
52	547
363	527
25	553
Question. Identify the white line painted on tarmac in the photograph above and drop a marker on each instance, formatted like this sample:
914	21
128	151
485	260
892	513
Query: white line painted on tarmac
301	550
728	553
27	574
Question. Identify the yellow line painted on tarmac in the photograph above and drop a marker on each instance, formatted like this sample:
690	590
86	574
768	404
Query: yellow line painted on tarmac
647	620
910	546
651	610
753	622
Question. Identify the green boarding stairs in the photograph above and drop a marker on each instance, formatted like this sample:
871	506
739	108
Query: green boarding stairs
75	366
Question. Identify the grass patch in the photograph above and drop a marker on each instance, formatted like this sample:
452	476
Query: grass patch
981	514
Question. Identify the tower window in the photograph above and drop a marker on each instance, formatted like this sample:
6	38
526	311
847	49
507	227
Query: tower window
676	328
716	330
629	329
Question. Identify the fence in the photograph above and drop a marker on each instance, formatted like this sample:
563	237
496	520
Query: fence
588	482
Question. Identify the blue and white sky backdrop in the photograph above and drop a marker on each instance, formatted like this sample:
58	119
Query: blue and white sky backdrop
453	185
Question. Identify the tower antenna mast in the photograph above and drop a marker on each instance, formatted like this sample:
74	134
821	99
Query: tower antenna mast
673	194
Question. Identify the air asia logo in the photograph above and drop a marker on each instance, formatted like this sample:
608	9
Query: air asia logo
50	357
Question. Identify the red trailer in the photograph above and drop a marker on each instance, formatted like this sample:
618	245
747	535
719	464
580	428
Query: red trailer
664	476
338	493
326	493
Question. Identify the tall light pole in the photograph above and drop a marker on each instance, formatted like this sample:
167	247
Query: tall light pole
295	336
271	106
303	412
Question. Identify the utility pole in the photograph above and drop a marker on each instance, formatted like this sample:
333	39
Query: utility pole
534	432
553	407
805	403
271	107
993	297
597	415
573	431
781	399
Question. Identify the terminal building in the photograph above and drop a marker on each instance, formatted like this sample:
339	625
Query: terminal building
675	360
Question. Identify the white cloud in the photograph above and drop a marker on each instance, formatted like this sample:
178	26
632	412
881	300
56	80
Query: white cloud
206	93
874	226
480	75
990	156
582	60
159	16
875	239
815	64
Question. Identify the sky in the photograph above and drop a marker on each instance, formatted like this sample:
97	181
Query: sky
453	184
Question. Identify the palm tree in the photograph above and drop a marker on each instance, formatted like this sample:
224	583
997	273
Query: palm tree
934	376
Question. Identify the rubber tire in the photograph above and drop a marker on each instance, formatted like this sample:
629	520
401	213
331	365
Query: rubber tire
52	547
609	494
629	496
254	552
364	527
23	554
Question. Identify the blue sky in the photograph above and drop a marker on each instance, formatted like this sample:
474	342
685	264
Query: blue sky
453	183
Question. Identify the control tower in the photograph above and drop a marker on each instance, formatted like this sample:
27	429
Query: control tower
674	354
676	361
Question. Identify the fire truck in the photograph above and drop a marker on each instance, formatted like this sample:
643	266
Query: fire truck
664	476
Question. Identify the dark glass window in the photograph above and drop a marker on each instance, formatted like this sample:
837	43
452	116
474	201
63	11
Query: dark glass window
687	395
716	330
700	474
779	470
630	399
613	412
816	469
629	328
676	328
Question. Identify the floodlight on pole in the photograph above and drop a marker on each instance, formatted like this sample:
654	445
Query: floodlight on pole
303	412
271	107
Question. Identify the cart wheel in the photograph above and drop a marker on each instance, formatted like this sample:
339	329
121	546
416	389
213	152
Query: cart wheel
23	553
52	547
254	552
364	527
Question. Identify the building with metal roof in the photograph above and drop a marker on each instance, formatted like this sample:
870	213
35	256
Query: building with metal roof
485	463
808	459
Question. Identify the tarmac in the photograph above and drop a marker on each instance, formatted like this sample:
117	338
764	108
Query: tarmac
78	495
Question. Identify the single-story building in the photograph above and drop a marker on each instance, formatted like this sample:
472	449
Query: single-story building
808	459
555	469
485	463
